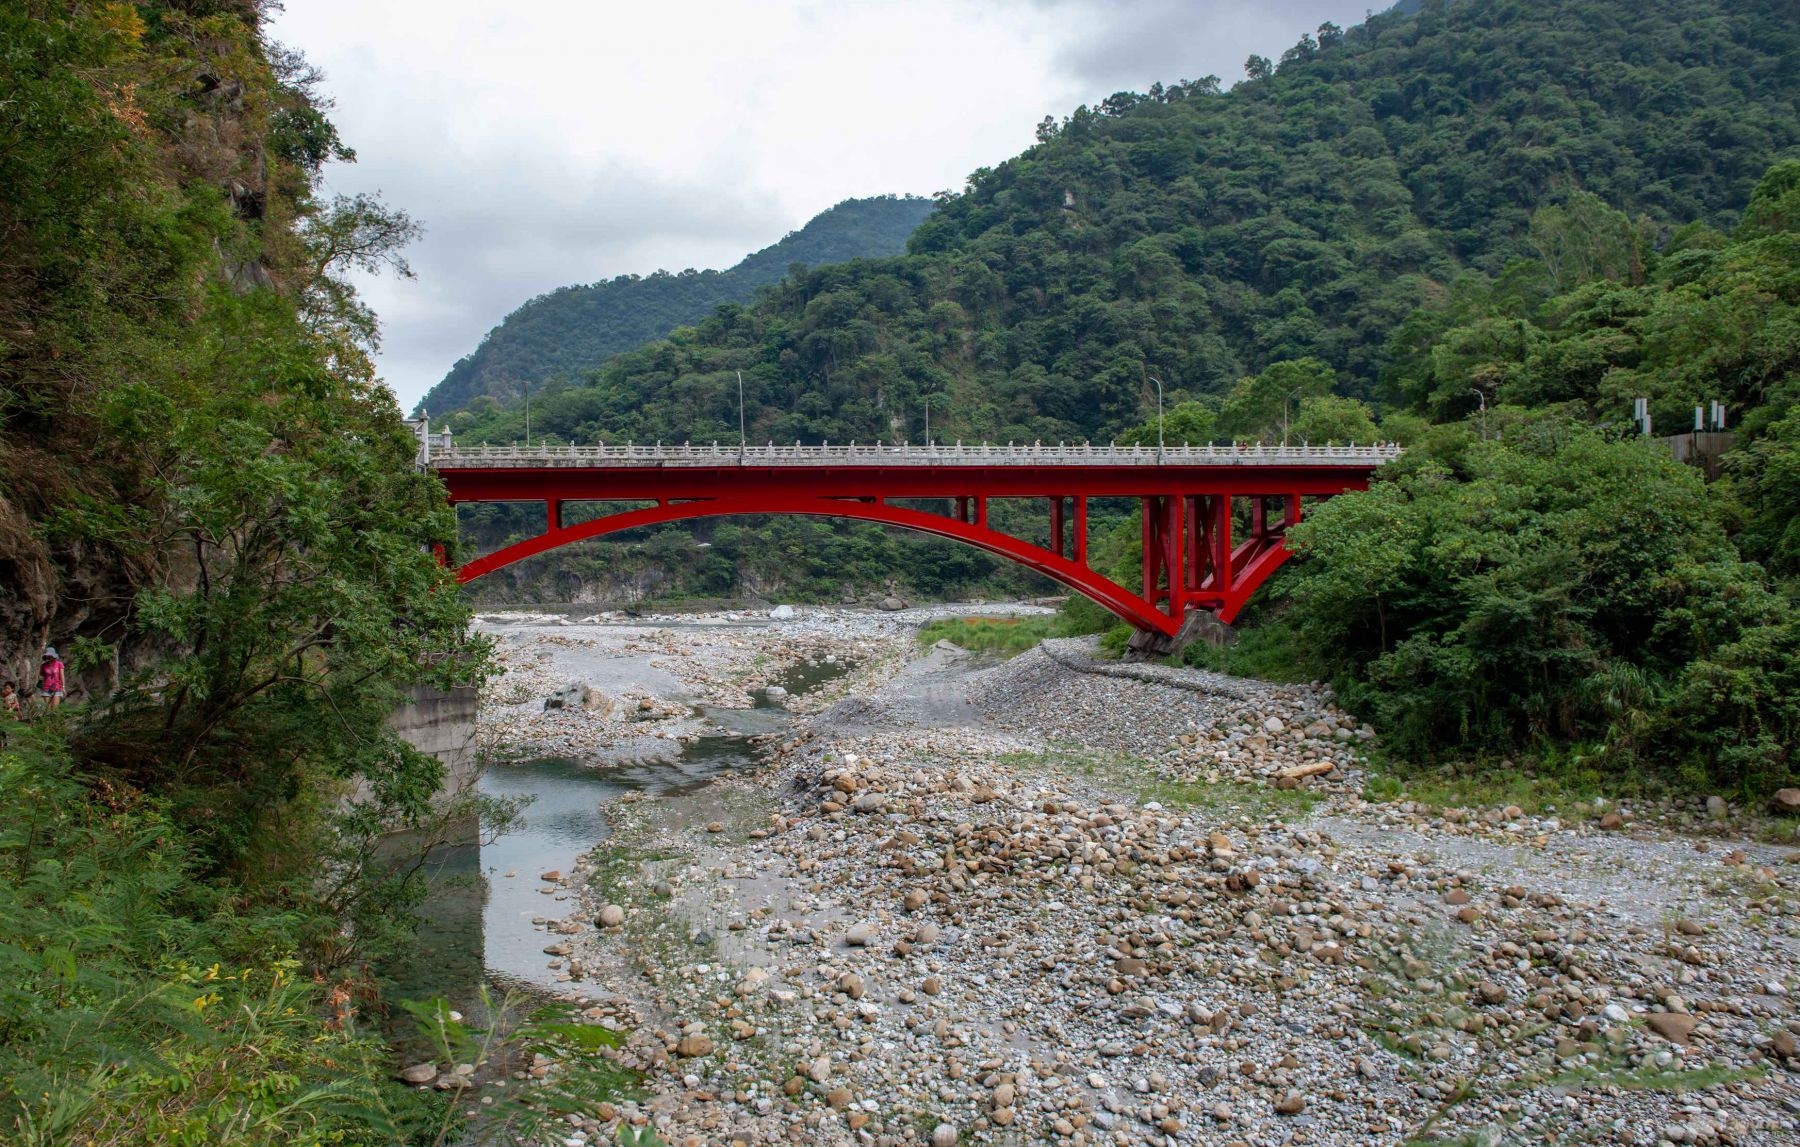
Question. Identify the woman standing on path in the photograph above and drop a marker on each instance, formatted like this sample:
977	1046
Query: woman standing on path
50	677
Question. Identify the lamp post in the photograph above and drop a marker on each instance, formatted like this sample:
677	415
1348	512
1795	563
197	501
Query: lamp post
743	442
928	399
527	414
1285	402
1159	418
1483	397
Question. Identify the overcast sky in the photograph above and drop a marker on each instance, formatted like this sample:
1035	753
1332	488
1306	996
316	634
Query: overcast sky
548	142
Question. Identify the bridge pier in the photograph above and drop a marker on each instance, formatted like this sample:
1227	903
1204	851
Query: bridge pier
1199	625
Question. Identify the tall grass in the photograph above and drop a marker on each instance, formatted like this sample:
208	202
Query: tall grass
1004	635
1270	651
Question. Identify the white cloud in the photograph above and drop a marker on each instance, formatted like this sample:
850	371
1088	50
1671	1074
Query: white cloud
554	142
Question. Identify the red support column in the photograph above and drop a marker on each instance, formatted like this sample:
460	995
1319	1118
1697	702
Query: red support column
1174	563
1293	509
1081	529
552	515
1149	516
1259	517
1056	525
1221	546
1191	565
981	510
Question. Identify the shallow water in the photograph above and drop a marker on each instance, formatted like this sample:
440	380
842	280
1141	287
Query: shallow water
476	923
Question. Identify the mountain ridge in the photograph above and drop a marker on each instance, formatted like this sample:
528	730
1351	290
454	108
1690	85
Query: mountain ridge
575	328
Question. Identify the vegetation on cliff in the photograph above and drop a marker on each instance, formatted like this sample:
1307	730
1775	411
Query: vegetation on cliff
208	503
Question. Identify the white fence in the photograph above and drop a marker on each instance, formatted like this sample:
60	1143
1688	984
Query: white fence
440	453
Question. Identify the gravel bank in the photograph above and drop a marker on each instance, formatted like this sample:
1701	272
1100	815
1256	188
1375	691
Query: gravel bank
1033	904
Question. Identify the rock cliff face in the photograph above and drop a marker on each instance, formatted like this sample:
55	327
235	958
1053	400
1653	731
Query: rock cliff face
53	594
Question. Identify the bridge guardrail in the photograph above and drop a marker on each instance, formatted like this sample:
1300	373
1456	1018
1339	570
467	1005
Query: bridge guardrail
442	454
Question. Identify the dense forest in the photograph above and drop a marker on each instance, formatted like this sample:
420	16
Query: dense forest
208	505
572	330
1538	576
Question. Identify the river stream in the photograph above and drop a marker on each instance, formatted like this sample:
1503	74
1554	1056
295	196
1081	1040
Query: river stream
476	924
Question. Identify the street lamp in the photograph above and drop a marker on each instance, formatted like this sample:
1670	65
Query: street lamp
528	413
1483	397
1159	418
743	442
928	399
1291	395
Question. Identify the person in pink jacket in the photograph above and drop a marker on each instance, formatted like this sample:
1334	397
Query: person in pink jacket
50	677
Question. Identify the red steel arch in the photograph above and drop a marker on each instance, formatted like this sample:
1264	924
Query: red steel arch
1190	558
1077	577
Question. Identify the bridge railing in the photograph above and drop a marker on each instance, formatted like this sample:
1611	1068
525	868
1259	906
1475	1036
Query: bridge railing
445	455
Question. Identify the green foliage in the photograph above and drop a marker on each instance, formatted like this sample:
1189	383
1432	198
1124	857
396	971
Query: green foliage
1272	651
1260	407
210	503
1184	424
142	1005
1332	420
1582	239
571	330
514	1034
1004	635
1561	588
1558	587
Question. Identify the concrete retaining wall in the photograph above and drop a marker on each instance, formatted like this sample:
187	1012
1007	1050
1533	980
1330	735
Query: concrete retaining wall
442	724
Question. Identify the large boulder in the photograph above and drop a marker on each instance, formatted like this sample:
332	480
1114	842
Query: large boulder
568	697
1786	801
890	604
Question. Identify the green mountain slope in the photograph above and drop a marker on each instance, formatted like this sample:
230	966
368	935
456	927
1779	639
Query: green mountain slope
1200	236
573	329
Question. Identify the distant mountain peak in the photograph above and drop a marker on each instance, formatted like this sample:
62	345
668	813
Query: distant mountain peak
573	329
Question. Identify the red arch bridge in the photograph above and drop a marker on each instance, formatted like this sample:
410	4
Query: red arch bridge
1191	560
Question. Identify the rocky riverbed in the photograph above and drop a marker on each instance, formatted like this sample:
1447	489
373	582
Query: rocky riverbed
1058	901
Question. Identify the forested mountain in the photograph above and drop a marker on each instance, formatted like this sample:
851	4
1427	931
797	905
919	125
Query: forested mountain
1200	235
574	329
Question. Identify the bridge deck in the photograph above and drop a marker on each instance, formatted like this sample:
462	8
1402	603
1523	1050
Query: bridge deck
442	456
